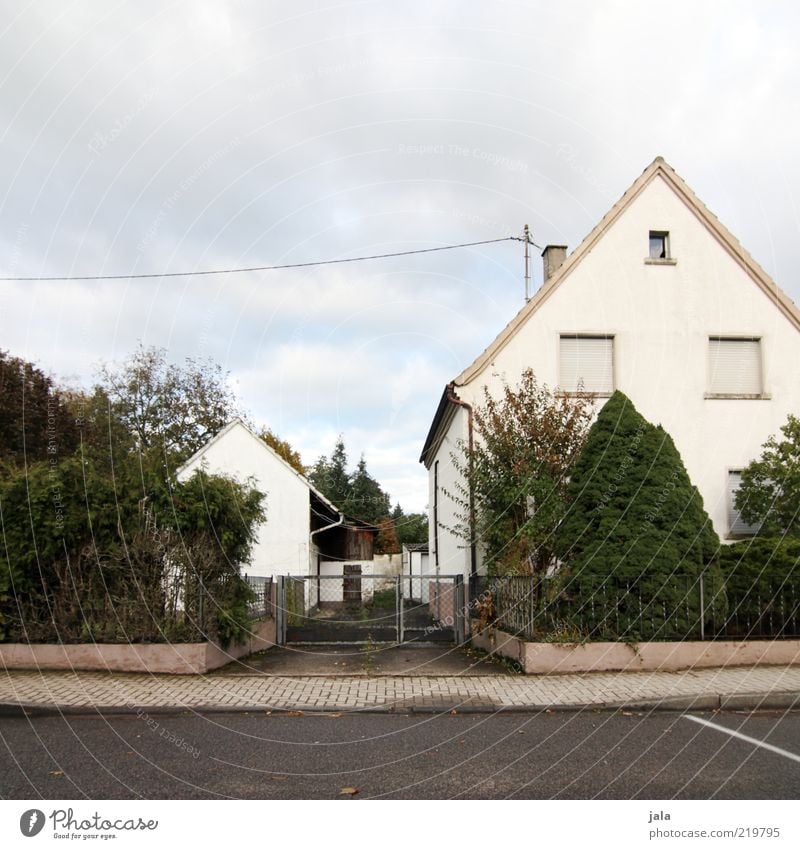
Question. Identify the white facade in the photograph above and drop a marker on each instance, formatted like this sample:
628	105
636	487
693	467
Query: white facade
702	342
282	545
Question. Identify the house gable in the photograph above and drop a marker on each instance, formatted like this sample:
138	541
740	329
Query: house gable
282	540
658	170
227	459
701	339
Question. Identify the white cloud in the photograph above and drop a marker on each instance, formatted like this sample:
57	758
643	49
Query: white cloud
204	136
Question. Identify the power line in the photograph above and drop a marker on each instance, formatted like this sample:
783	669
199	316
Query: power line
68	278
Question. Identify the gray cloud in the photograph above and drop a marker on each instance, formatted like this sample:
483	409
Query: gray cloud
149	137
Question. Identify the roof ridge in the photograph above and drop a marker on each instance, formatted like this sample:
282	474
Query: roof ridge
658	167
240	421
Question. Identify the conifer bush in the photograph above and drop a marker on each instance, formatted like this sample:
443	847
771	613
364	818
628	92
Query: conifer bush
636	537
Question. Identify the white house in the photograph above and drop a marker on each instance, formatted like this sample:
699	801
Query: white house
663	303
304	534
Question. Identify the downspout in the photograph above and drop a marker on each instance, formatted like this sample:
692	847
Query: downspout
473	553
339	521
312	534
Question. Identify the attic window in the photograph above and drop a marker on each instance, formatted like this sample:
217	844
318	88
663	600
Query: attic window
659	245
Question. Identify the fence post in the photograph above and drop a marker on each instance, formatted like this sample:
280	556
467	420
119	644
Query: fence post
280	610
458	609
702	606
201	609
399	609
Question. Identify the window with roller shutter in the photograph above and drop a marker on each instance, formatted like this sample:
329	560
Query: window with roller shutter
587	363
734	367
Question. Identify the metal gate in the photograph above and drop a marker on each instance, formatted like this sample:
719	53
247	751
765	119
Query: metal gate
352	607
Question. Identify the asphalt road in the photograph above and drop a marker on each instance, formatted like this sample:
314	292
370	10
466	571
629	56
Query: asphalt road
560	755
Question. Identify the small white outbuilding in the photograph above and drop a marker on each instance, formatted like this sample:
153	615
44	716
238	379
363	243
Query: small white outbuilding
304	533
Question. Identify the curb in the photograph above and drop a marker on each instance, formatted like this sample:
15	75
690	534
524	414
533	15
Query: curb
734	701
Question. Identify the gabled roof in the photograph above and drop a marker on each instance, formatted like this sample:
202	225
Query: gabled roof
657	168
237	422
445	405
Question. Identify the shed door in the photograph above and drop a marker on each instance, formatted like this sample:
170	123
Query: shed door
352	583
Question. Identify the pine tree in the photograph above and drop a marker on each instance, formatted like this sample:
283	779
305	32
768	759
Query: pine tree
366	500
329	476
636	536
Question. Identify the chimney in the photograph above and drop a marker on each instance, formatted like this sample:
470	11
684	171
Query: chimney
553	257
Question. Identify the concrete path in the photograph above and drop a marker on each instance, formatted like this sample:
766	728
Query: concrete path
379	660
745	688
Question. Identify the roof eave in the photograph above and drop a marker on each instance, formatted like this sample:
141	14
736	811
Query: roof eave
658	167
444	403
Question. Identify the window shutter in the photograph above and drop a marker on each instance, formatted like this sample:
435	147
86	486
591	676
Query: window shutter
588	359
738	527
735	366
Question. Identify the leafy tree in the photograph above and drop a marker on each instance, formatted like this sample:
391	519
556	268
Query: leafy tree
34	420
173	408
410	527
99	541
636	536
283	449
386	542
516	473
769	494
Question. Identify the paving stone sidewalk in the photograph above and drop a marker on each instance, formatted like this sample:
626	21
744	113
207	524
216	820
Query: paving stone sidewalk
746	688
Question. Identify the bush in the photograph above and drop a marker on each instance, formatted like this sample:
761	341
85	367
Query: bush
636	537
515	474
761	577
88	559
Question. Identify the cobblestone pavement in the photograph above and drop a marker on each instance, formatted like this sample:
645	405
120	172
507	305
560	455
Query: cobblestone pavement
768	686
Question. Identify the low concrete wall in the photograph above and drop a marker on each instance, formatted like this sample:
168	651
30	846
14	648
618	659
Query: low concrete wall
550	658
171	658
388	564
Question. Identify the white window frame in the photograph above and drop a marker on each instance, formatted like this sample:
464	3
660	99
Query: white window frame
667	259
714	393
605	393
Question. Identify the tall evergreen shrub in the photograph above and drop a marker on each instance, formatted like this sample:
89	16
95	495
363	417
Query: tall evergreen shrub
636	537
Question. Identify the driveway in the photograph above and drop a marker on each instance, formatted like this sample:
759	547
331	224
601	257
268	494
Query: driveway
369	659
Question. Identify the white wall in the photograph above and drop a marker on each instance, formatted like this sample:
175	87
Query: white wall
453	554
387	564
661	317
282	544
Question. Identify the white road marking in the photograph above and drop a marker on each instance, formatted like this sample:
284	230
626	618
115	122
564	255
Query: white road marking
739	736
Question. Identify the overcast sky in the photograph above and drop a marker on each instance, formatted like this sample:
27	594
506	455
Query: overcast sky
139	138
